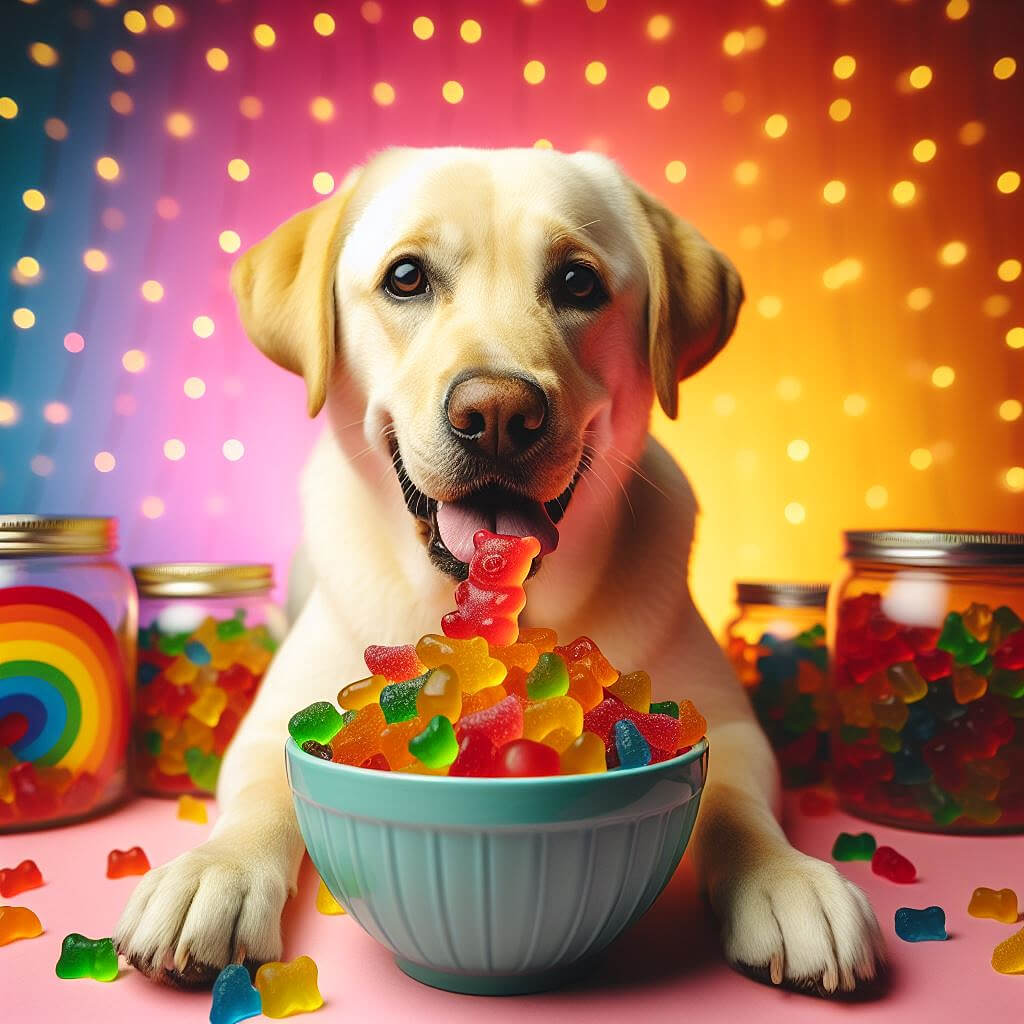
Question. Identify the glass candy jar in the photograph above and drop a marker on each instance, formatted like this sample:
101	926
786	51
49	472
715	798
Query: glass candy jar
67	657
928	680
207	632
776	644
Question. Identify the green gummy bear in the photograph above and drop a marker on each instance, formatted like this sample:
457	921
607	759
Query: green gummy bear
947	813
889	740
853	847
230	629
956	639
799	716
203	769
86	958
398	700
1004	622
548	678
173	643
320	721
153	742
810	637
1007	683
665	707
436	746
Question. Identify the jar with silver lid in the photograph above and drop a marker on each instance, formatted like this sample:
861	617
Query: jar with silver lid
928	679
776	644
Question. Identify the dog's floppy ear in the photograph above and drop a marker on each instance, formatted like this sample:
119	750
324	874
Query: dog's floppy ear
695	296
284	287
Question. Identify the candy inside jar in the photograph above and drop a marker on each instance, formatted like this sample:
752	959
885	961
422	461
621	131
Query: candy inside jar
206	637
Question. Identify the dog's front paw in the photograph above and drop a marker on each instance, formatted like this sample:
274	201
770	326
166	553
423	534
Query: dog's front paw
796	920
201	911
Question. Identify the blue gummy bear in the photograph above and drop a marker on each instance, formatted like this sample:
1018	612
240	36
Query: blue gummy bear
234	998
631	746
197	653
148	672
928	925
909	769
920	725
777	668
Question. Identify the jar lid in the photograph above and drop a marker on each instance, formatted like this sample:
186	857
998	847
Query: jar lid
959	549
783	595
202	579
57	535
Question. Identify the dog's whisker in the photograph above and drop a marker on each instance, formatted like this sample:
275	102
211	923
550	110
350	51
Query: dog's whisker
622	487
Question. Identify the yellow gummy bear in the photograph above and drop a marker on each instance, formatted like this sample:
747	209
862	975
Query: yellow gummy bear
361	693
541	717
325	901
1008	956
855	706
891	714
209	706
978	620
519	655
907	682
180	671
470	658
441	694
191	809
18	923
968	685
287	988
634	690
997	904
584	756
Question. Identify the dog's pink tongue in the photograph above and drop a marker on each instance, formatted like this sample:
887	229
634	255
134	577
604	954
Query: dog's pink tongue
458	521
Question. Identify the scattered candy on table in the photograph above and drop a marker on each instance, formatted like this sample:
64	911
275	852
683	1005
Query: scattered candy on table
121	863
888	863
191	809
287	988
325	901
1008	956
234	998
87	958
487	699
997	904
854	847
928	925
18	923
20	879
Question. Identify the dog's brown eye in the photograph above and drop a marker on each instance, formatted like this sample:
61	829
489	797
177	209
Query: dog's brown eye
578	285
406	279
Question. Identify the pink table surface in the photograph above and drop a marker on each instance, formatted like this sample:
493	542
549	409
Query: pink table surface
667	968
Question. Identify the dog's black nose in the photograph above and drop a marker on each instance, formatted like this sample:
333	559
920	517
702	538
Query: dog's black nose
496	415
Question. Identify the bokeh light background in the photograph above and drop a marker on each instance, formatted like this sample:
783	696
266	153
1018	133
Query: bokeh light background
860	161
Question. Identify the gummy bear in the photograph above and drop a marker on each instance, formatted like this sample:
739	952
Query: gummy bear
517	655
361	693
544	716
584	756
526	758
928	925
957	640
394	744
885	861
470	658
436	746
360	738
322	750
394	663
630	745
441	694
87	958
191	809
325	901
634	690
234	998
1008	956
490	599
18	923
584	651
203	769
665	707
853	847
377	763
998	904
287	988
907	682
398	700
500	723
548	678
121	863
542	639
20	879
319	722
584	687
476	756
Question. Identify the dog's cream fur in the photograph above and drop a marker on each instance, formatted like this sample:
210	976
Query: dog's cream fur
310	296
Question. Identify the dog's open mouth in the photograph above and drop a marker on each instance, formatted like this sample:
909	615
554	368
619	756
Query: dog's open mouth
493	507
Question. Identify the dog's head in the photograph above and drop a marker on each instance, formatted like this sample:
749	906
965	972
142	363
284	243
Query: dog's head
502	317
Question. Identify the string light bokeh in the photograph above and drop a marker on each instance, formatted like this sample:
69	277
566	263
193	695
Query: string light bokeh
859	160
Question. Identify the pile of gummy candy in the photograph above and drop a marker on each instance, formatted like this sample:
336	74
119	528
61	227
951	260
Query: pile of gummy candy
485	699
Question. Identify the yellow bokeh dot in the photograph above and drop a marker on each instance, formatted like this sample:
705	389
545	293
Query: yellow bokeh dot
321	108
33	199
152	291
203	326
596	6
924	150
920	458
543	144
754	38
996	305
675	171
844	67
1007	182
164	16
323	24
733	101
9	413
55	129
323	182
595	72
1010	410
953	253
27	267
371	11
920	77
95	260
422	28
238	169
179	124
876	497
834	191
1015	337
23	317
919	298
769	306
452	91
104	462
658	97
724	405
174	449
957	9
840	109
795	513
943	376
971	133
43	54
217	59
798	450
229	241
733	43
855	405
107	168
789	389
1004	68
745	172
903	192
135	22
233	449
1014	478
1008	270
383	94
471	31
264	36
534	72
751	236
122	62
776	125
134	360
8	108
152	507
121	102
194	387
659	26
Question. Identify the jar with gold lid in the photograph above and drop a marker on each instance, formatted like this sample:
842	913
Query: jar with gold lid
67	657
207	632
776	644
928	679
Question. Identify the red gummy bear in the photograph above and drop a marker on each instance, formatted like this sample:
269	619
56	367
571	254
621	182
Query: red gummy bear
476	757
885	861
14	880
378	763
526	757
396	664
121	863
489	602
500	723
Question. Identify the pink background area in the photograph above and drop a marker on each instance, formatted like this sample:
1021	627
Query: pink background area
668	968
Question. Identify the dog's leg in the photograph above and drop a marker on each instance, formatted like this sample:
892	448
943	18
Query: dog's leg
221	902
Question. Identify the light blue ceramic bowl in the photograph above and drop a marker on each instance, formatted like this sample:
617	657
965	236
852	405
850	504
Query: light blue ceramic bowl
496	886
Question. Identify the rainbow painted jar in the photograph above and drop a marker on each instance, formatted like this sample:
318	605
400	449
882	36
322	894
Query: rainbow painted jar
776	644
207	632
928	680
67	656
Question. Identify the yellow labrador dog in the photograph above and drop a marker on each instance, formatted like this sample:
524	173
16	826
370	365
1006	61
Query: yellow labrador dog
487	331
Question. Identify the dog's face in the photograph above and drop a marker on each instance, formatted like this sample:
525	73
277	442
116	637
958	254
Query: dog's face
503	316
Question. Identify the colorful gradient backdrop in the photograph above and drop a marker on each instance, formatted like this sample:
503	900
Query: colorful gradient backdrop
860	161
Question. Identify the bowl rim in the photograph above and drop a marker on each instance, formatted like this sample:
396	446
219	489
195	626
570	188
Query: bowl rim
293	750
